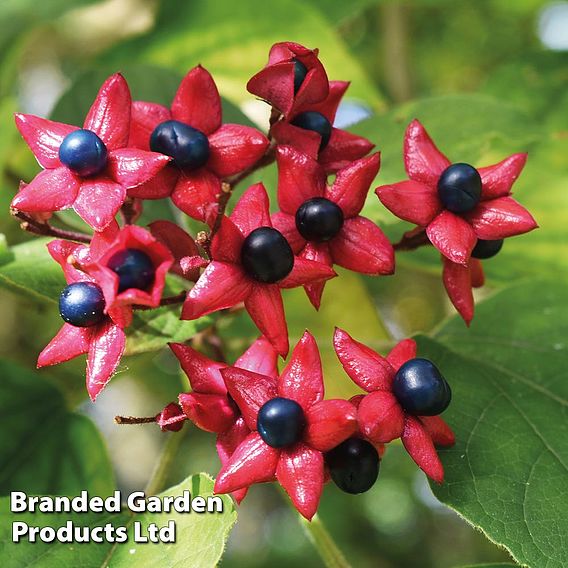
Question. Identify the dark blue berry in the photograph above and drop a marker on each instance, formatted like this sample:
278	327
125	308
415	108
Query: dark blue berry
353	465
421	389
459	188
266	255
82	304
280	422
134	267
188	146
486	249
300	72
316	122
319	219
83	152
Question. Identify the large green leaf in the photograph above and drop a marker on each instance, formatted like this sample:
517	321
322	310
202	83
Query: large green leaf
44	448
27	269
232	41
508	471
200	538
152	329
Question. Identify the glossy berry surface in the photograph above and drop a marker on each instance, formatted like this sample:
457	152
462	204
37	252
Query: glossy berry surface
300	72
459	188
421	389
82	304
316	122
353	465
83	152
319	219
486	249
266	255
280	422
134	267
188	146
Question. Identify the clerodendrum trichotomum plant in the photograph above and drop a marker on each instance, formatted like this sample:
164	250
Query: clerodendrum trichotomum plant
272	422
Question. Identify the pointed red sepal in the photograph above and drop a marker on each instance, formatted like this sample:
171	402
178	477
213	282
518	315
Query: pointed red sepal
197	101
343	148
438	430
351	185
196	194
419	445
411	201
252	462
423	161
131	167
252	210
302	378
227	443
105	351
250	391
402	352
109	115
453	236
328	423
498	179
500	218
366	367
300	471
43	137
260	358
380	416
210	412
318	252
361	246
70	342
457	281
143	120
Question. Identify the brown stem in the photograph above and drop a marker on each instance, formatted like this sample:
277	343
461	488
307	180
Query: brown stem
131	210
134	419
45	229
412	240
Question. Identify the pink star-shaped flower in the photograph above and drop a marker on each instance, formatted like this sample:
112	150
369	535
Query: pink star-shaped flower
299	468
105	342
209	405
380	415
359	245
232	147
342	147
96	198
226	281
275	84
496	216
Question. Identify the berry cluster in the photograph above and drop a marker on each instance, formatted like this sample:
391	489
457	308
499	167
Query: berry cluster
270	424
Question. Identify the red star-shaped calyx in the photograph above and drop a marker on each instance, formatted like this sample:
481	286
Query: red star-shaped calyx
228	280
417	200
209	405
104	342
96	198
289	64
232	147
299	467
339	150
381	417
355	243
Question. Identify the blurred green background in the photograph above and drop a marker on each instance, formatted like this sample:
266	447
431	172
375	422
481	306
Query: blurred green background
487	77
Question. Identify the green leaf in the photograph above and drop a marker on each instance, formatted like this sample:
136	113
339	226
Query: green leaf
507	472
27	269
232	41
200	538
45	448
500	565
152	329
